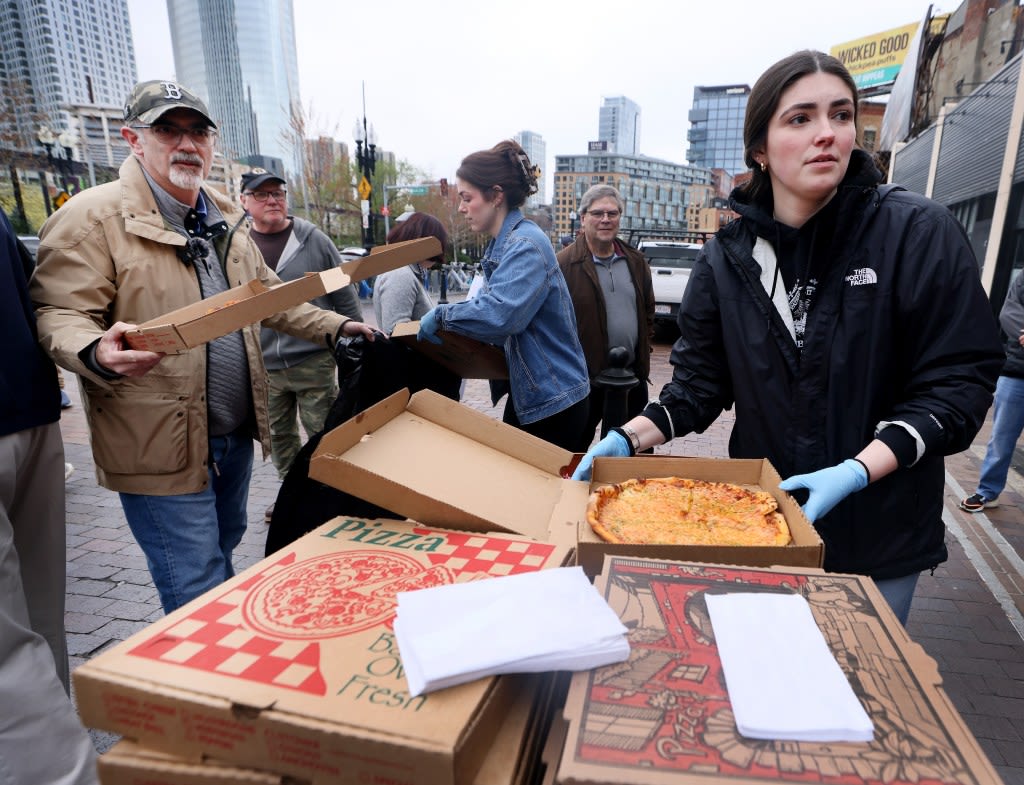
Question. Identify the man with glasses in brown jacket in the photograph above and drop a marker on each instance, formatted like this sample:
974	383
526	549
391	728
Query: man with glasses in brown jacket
173	435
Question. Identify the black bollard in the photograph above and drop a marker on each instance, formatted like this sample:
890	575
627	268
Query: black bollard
443	273
616	380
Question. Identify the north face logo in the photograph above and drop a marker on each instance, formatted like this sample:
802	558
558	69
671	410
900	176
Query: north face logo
862	277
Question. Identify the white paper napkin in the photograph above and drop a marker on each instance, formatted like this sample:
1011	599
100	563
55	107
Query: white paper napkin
782	679
537	621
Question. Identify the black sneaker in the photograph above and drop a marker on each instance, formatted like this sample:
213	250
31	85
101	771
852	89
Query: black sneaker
976	503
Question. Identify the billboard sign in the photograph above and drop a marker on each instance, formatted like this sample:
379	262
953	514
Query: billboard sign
598	147
876	60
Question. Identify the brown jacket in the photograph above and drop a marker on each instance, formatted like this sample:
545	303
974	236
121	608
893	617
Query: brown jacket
577	263
106	256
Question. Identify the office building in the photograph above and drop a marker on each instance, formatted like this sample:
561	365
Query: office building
619	125
61	54
537	150
240	56
716	127
657	193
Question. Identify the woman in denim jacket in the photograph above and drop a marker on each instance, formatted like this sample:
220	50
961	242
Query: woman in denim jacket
525	305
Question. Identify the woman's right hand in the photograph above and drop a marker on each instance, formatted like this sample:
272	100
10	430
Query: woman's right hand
614	445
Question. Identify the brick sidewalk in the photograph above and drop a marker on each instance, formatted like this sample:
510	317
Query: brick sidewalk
968	616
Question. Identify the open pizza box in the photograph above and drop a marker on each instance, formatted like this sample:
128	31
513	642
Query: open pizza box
806	549
201	322
664	716
292	666
459	467
511	755
463	356
438	461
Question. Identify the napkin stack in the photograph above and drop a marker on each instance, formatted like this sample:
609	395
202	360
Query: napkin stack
539	621
782	679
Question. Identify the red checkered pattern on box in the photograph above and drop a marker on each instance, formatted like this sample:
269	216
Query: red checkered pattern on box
215	638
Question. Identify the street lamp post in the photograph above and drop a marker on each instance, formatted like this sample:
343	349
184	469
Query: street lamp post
47	140
366	158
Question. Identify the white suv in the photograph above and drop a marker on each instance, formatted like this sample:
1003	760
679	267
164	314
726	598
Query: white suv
670	263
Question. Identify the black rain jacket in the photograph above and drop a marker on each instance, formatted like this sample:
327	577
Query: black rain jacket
900	330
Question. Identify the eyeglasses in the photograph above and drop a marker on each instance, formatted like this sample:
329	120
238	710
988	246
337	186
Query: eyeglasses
602	214
170	135
262	196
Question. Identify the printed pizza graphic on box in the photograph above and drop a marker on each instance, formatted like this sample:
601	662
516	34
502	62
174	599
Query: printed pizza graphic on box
266	629
667	709
337	594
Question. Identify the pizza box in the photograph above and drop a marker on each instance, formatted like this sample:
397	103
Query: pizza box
383	258
664	718
217	316
463	356
128	763
292	665
438	461
806	550
506	759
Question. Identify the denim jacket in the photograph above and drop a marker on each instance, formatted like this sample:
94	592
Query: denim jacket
525	306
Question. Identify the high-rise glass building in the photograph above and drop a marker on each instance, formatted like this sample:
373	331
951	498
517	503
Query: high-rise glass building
537	150
716	127
619	125
240	56
62	53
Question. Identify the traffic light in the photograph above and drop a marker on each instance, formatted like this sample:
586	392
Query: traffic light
444	187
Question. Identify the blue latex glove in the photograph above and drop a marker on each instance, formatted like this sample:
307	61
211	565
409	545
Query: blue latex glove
428	327
614	445
828	487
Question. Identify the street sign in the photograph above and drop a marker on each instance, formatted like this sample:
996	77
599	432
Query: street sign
418	190
365	189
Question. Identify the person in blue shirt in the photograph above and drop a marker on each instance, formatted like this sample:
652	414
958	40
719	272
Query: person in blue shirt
524	305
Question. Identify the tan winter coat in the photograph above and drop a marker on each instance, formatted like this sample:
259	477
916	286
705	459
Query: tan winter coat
106	256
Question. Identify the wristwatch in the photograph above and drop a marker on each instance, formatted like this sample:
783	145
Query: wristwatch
634	438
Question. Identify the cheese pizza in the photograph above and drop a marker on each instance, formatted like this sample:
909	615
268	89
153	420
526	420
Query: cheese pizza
678	511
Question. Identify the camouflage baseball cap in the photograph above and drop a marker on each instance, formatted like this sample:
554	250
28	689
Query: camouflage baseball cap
150	100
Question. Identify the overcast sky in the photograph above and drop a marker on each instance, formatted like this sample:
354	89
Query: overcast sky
444	79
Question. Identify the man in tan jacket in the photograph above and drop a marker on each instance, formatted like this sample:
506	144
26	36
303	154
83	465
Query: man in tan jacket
172	434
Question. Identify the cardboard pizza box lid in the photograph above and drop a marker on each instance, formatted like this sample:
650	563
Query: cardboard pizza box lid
463	356
664	718
292	666
435	460
224	313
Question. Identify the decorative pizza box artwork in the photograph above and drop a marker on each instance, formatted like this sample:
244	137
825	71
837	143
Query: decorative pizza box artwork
512	756
664	715
443	463
221	314
806	549
292	665
466	357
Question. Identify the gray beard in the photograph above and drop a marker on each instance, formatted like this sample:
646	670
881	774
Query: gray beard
184	179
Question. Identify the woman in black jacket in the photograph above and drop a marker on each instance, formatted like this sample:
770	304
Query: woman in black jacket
845	321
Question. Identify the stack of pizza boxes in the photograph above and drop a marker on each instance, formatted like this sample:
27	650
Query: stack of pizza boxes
290	672
291	669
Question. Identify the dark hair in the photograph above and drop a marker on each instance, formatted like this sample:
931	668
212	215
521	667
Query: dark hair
420	225
764	101
506	165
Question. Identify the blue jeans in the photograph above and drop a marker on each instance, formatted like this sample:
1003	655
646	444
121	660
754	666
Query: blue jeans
1007	424
188	538
899	593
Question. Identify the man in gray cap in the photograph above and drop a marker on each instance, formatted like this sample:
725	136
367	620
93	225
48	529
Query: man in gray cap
303	375
173	435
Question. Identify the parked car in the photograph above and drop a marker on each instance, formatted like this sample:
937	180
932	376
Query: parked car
671	262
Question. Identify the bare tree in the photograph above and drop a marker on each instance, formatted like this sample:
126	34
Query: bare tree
17	121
